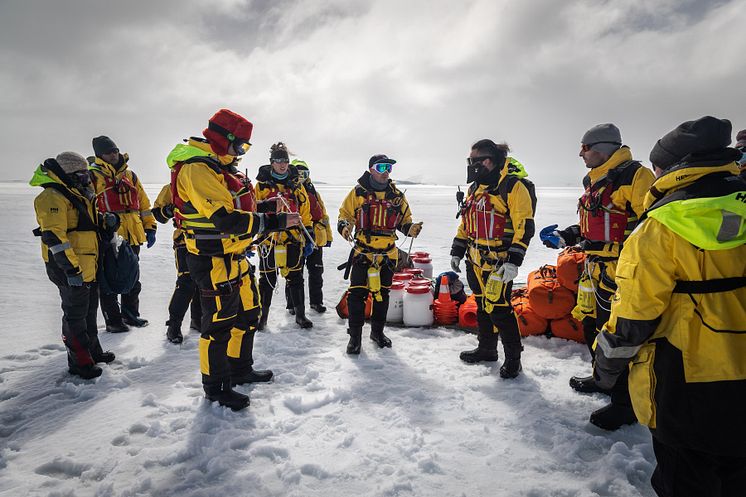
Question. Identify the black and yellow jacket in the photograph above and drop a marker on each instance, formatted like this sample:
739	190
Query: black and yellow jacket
133	223
214	226
630	182
322	230
679	314
69	238
162	203
356	200
510	198
290	186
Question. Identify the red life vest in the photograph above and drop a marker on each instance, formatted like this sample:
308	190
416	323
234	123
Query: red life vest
287	194
239	186
600	219
379	216
317	213
481	221
118	195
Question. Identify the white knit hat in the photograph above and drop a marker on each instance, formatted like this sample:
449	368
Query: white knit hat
71	162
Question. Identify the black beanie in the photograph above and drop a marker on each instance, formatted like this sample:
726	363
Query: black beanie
706	134
103	145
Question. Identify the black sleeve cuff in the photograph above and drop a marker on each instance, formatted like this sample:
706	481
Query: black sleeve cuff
458	247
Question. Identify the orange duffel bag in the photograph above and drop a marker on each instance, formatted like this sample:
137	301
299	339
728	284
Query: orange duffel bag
529	323
570	265
344	313
567	327
547	297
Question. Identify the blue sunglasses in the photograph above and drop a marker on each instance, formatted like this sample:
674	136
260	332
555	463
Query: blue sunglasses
383	167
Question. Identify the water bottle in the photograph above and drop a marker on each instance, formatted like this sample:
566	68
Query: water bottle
492	291
374	282
281	256
586	295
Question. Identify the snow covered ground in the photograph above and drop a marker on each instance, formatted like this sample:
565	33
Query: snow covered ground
408	421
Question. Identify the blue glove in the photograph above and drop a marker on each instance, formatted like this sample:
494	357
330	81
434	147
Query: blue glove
150	236
75	280
552	238
307	249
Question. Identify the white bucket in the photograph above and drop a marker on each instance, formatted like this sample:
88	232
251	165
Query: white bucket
424	263
395	314
418	306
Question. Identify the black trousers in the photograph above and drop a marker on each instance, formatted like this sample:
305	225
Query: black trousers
682	472
186	293
79	310
130	301
359	293
502	316
315	266
230	313
294	276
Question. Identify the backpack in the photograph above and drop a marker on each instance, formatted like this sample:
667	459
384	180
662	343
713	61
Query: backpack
547	297
570	265
119	268
529	322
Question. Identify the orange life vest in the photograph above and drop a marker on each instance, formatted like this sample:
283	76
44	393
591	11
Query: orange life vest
481	221
379	216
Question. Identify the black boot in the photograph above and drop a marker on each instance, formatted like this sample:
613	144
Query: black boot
253	376
87	372
301	319
320	308
487	349
586	384
353	346
98	355
512	365
613	417
291	311
132	319
117	327
376	334
173	333
223	394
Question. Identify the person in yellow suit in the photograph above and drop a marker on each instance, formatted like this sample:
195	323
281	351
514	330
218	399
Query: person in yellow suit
369	216
678	317
215	206
497	224
70	228
280	188
322	233
186	293
119	190
612	202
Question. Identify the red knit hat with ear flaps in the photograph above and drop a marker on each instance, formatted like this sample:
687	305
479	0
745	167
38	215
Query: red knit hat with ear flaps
224	124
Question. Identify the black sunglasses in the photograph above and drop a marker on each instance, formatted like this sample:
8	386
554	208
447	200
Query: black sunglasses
471	161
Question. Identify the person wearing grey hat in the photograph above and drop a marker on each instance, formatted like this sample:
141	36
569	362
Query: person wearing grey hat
615	187
69	227
119	190
677	321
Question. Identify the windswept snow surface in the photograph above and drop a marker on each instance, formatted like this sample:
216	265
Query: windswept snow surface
412	420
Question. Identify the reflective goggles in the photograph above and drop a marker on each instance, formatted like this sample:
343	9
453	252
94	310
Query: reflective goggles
383	167
82	177
240	146
280	159
472	161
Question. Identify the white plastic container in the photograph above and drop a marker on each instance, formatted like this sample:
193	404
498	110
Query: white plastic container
395	314
424	263
418	306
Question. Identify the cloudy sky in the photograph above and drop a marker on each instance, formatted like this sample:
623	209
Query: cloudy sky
340	80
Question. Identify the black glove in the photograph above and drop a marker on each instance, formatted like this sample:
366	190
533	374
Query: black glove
168	210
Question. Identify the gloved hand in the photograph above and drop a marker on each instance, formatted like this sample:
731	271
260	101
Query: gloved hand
507	272
75	280
168	210
308	249
111	221
347	233
552	238
415	229
328	244
455	263
150	236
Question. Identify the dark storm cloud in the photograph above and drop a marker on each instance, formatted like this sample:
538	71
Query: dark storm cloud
340	80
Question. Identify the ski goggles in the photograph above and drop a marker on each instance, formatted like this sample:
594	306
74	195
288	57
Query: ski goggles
473	161
240	146
382	167
82	177
280	159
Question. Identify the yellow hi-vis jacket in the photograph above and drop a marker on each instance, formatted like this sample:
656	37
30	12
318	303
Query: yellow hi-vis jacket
678	317
133	222
163	201
73	247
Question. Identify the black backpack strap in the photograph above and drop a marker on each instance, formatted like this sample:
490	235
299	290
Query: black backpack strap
85	223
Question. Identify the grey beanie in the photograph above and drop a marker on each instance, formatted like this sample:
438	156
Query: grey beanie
706	134
71	162
604	138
